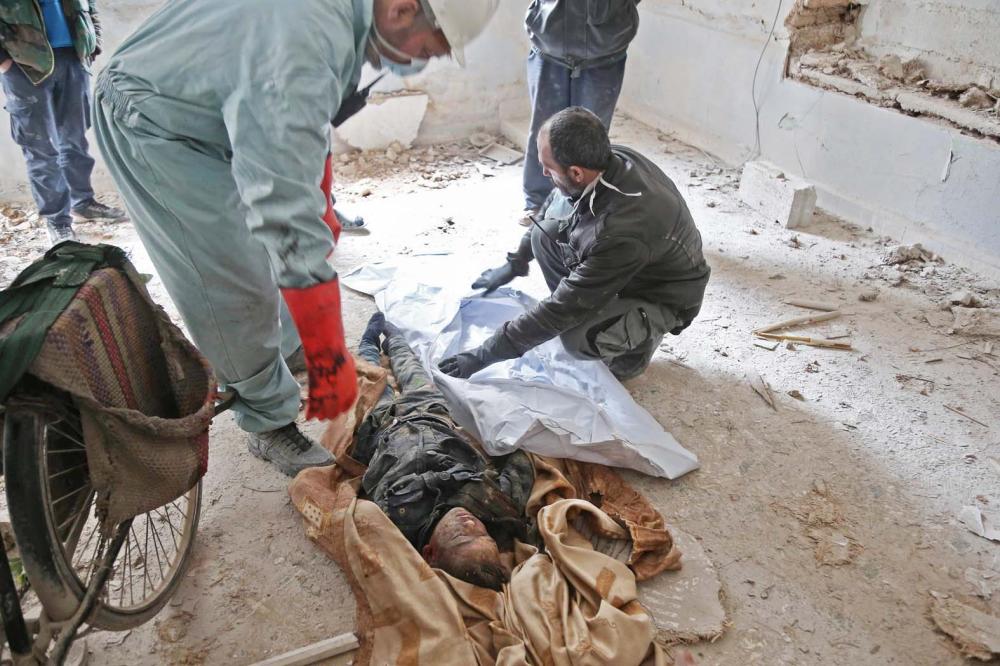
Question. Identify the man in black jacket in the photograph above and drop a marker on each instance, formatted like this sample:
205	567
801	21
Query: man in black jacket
618	248
577	58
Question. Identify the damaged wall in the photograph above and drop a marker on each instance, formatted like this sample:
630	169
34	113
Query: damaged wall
460	100
691	72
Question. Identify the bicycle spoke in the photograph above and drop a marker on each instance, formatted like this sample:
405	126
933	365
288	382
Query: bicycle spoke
69	541
159	562
173	530
67	471
143	554
71	438
63	498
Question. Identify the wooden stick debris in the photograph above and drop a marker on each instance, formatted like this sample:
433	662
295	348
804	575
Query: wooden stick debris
812	305
799	321
812	342
310	654
763	389
961	413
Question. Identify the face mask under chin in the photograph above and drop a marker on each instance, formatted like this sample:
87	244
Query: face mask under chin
382	52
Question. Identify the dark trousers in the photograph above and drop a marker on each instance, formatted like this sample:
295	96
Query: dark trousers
553	88
50	121
415	387
624	334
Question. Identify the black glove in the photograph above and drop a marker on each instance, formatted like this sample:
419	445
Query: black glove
494	278
516	266
466	364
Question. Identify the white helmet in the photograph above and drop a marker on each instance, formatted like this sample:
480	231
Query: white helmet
461	21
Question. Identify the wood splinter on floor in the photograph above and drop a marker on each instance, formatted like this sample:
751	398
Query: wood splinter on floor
763	389
311	654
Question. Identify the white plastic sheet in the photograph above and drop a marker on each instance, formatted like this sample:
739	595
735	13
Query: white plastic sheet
547	401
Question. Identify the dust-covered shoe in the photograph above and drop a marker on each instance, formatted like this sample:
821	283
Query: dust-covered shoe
350	224
59	232
95	210
288	449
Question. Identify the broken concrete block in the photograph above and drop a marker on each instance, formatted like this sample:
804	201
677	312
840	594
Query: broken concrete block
387	119
976	633
975	98
788	200
977	321
965	298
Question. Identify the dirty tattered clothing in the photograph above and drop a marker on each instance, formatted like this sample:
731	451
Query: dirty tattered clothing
421	464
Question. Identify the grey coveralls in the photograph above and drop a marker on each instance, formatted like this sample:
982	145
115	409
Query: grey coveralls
214	120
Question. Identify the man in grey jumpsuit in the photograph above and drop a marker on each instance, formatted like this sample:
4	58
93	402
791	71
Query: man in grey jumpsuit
214	119
618	248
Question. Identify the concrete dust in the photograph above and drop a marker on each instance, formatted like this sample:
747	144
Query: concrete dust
840	506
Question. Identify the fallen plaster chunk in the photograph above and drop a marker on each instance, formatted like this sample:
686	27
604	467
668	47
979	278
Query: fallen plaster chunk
977	321
975	98
978	523
976	633
388	119
965	298
685	604
902	254
788	200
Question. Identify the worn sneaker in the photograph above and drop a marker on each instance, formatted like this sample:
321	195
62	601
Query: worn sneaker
526	216
95	210
59	232
288	449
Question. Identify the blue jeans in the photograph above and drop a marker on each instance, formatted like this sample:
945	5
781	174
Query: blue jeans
553	88
50	121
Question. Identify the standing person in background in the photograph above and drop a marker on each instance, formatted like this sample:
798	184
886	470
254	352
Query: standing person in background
577	58
46	48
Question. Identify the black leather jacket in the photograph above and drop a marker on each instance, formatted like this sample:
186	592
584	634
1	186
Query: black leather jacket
644	248
582	33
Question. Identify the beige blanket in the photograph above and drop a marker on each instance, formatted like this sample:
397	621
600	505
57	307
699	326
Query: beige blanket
568	605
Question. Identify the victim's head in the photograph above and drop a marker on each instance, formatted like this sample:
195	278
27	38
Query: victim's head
461	546
573	149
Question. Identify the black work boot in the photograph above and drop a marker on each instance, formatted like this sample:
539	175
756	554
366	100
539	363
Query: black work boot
92	209
288	449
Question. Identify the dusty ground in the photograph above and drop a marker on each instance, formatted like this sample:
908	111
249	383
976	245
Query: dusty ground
831	518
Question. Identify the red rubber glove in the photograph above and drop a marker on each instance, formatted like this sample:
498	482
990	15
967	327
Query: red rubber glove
333	385
329	216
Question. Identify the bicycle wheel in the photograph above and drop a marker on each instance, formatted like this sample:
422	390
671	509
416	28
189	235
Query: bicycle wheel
51	503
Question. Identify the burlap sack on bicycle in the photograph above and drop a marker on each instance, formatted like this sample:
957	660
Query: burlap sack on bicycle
146	395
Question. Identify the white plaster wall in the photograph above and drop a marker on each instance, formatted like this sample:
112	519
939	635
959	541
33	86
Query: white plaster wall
690	72
461	100
958	40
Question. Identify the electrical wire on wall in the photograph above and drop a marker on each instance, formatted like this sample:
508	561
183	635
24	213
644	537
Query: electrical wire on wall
753	86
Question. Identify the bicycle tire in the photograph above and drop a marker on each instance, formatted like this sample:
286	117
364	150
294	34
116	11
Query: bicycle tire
49	568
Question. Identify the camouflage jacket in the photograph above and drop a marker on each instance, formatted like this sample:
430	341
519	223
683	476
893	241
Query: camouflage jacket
23	38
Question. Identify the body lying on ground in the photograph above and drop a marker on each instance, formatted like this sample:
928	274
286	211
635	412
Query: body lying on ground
618	249
565	602
452	502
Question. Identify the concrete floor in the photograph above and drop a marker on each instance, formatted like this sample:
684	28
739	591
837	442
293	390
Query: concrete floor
831	518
